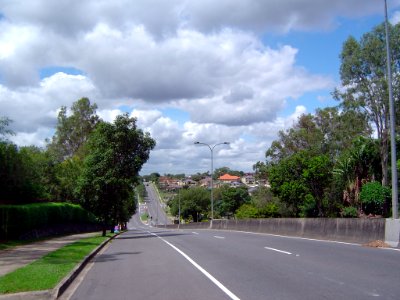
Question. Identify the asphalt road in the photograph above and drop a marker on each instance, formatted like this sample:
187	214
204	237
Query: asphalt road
152	263
155	209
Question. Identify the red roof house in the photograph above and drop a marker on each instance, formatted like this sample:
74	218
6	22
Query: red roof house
229	178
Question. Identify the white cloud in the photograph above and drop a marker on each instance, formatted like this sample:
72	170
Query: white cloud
35	107
109	115
162	18
395	19
206	58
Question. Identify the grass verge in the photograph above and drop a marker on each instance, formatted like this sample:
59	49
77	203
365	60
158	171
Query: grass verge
48	271
144	216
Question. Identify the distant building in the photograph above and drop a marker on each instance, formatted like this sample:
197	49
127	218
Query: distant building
189	182
168	183
205	182
249	179
226	178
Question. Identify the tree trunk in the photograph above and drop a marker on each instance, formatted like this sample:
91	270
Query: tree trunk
384	151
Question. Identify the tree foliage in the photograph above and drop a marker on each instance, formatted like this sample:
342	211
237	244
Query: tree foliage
300	181
373	197
363	69
263	204
230	199
4	130
74	130
194	203
117	152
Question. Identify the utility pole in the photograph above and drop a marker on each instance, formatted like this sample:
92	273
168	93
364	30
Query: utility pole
392	122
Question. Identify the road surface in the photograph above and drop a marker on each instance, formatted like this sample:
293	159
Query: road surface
154	263
157	215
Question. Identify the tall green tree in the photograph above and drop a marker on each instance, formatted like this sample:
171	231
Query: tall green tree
22	174
357	165
230	199
194	203
304	135
117	153
4	130
339	128
365	88
73	130
328	132
300	181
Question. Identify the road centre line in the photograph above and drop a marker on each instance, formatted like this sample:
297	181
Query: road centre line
208	275
277	250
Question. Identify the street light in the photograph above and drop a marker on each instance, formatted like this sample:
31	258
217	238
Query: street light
392	122
212	170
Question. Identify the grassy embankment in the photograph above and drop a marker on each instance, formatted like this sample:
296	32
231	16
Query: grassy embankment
48	271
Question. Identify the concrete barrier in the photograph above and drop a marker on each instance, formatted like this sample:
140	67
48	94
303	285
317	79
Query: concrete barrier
392	232
337	229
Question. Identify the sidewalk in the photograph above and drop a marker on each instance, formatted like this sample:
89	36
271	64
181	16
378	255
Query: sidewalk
17	257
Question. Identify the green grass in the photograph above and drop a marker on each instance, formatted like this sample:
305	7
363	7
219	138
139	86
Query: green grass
144	217
48	271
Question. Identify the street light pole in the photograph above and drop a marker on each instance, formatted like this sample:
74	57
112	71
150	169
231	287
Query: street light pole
212	171
179	206
392	123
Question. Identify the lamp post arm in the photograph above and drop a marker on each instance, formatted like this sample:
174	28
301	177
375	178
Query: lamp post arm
212	172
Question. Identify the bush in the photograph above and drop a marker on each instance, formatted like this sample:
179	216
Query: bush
373	196
17	220
247	211
349	212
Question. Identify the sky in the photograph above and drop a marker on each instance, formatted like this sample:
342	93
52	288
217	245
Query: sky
236	71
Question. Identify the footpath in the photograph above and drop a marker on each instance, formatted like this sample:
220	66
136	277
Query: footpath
17	257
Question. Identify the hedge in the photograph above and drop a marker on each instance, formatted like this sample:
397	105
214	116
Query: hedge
17	220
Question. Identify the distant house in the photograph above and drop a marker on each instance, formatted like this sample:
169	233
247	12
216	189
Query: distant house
189	182
226	178
249	179
205	182
168	183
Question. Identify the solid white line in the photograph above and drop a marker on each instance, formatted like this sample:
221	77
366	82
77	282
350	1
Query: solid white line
277	250
219	237
208	275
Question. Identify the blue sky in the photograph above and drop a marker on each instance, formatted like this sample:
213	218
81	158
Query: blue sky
209	71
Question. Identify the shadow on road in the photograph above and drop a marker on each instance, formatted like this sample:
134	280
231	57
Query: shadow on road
115	256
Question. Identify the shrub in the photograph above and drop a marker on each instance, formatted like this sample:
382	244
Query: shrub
373	196
349	212
19	219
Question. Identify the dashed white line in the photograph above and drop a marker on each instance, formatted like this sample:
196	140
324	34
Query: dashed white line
219	237
195	233
277	250
208	275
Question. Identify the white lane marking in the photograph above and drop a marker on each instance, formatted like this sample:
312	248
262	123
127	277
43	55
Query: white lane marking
300	238
208	275
195	232
277	250
219	237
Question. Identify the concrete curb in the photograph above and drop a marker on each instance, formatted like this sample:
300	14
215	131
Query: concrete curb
63	285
